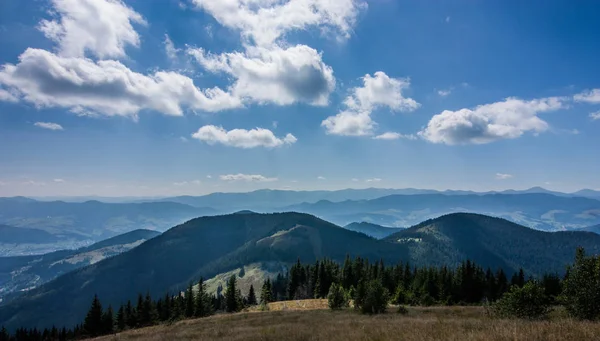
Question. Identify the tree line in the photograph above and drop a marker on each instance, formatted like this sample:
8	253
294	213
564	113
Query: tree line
369	286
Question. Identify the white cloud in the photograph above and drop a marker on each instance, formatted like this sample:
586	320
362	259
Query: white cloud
394	136
502	176
321	178
448	19
588	96
48	125
444	93
59	180
377	91
242	138
274	74
209	176
354	179
178	184
196	182
101	27
33	183
6	96
170	49
507	119
209	31
595	115
263	22
183	139
246	177
348	123
275	124
373	180
106	87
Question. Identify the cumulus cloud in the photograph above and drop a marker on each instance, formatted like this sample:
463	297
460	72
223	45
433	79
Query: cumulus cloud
106	87
507	119
595	115
377	91
502	176
101	27
48	125
246	177
6	96
263	22
242	138
274	74
588	96
170	49
394	136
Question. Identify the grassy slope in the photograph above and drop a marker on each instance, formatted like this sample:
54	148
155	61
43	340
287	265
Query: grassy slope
436	323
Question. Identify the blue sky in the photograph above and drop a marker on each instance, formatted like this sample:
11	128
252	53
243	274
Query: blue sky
138	98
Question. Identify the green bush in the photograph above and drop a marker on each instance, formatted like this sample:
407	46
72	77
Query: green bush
581	295
337	297
376	298
528	302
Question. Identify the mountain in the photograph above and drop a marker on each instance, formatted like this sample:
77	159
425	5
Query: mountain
215	245
594	229
539	211
494	242
18	274
94	220
18	235
373	230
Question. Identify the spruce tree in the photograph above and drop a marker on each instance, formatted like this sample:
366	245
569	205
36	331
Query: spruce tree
251	296
203	306
4	336
92	324
266	294
108	321
121	322
232	303
189	302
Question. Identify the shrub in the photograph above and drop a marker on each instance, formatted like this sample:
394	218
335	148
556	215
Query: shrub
376	298
581	295
527	302
337	297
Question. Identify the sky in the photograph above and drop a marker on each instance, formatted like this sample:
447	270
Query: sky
169	97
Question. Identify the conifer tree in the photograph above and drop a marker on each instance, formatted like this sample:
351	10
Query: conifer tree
232	303
266	294
4	336
203	306
251	296
92	325
121	321
108	321
189	301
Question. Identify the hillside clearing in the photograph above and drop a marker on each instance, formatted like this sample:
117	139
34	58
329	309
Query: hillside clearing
437	323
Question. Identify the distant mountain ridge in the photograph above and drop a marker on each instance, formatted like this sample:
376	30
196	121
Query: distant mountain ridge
539	211
213	245
27	272
372	230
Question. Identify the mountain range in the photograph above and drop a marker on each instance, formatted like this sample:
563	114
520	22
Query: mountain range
539	211
213	245
19	274
372	230
90	220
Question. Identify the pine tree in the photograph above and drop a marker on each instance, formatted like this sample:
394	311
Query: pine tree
130	315
251	296
4	336
266	294
231	296
92	325
203	306
189	301
108	321
121	322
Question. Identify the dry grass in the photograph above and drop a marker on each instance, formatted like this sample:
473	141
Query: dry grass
421	324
